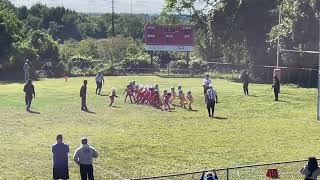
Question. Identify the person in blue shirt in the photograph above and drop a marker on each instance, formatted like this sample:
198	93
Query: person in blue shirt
60	159
209	176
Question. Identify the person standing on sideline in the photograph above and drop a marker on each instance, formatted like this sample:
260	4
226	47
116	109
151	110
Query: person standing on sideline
211	99
311	170
60	159
26	69
245	80
99	81
83	156
276	87
83	95
30	93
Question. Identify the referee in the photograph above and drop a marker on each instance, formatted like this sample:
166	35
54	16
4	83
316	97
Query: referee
99	81
211	99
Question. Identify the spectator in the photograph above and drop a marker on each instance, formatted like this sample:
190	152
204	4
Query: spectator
99	81
26	70
209	176
83	95
60	159
245	80
84	158
311	170
276	87
30	93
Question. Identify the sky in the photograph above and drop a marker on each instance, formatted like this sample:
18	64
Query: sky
101	6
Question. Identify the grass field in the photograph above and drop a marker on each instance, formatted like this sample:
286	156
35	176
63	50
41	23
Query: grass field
136	140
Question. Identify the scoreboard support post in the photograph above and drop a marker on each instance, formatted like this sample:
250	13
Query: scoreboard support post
188	59
151	58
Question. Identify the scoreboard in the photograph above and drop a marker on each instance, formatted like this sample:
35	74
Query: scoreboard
168	38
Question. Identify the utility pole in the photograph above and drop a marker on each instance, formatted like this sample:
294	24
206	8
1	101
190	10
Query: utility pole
278	41
112	19
131	7
318	107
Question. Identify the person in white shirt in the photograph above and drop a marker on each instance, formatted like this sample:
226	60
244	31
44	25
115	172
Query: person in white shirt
211	99
207	80
83	156
99	81
26	69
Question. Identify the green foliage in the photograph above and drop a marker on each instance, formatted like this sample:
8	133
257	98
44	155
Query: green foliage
198	66
299	31
46	47
10	27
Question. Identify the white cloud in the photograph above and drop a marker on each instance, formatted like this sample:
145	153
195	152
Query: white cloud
138	6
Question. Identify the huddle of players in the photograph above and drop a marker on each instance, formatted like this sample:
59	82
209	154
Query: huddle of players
150	95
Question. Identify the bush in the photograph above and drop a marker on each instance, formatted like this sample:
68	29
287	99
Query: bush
178	67
198	66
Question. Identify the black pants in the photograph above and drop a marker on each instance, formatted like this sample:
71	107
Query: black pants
245	88
276	94
210	105
99	86
61	173
84	103
28	100
86	172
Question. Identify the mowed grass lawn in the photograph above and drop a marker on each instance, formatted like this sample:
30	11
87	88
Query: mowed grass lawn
136	140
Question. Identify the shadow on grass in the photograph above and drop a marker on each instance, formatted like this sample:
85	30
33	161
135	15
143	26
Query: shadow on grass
220	118
90	112
193	110
33	112
172	111
117	107
282	101
103	95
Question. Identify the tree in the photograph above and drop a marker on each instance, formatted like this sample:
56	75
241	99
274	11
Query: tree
10	27
45	46
299	31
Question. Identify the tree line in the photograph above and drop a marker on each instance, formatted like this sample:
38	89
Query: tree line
241	32
73	42
245	32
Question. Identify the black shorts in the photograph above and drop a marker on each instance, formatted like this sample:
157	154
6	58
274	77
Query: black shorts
61	173
99	84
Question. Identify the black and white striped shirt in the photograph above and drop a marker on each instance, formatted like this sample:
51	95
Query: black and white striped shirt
211	94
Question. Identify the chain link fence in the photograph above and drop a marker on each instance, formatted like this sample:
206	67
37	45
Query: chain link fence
285	170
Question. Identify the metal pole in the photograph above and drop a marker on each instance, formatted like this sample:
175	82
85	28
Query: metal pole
318	110
278	41
227	178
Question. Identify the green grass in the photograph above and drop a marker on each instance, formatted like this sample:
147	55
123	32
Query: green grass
135	141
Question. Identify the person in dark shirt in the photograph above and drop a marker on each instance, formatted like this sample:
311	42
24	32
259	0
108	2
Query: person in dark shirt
211	99
245	81
60	159
276	87
30	93
210	176
83	95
